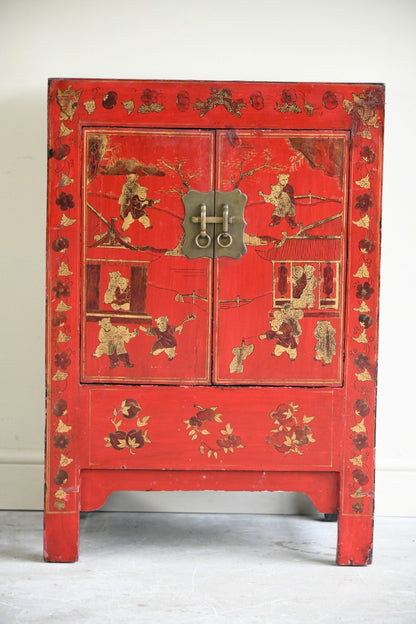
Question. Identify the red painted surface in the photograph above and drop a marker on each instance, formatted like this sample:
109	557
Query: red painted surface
166	372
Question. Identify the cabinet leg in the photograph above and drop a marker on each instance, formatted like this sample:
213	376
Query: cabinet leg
355	540
61	536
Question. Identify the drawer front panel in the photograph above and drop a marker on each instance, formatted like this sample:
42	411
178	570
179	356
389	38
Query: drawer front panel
212	428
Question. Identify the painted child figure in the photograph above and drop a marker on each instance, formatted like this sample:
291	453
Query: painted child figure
325	347
112	340
165	338
118	292
304	285
133	203
285	329
282	197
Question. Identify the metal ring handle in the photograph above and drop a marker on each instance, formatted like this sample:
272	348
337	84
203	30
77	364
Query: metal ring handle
203	235
227	236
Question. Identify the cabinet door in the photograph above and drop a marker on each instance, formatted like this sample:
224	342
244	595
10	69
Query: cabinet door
279	310
146	308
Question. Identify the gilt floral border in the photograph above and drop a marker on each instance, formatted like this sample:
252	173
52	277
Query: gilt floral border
366	110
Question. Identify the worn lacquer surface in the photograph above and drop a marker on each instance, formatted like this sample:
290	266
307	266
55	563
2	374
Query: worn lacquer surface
177	368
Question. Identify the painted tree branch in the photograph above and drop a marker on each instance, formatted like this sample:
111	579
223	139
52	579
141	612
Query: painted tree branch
253	170
185	178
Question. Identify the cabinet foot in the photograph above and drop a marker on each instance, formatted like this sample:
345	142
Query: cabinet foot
355	540
61	537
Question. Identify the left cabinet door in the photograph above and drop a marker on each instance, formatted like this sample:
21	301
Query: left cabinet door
146	309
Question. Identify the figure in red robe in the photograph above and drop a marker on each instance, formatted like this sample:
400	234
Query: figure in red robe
282	197
285	329
165	337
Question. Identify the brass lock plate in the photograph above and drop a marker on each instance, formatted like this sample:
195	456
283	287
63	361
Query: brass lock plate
214	224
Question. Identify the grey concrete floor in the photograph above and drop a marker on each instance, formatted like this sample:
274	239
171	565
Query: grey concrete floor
205	568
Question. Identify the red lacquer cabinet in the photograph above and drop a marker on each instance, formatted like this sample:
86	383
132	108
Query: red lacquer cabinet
213	275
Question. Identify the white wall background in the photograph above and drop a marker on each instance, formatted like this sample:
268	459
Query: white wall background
273	40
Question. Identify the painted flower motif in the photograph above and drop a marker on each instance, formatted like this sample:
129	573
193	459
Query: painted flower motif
374	97
61	477
60	408
109	100
302	435
366	246
197	428
257	100
61	152
130	408
194	421
229	441
361	408
62	360
61	441
183	101
61	289
206	414
135	439
288	97
284	415
59	244
367	154
329	100
280	441
357	507
288	102
364	291
117	440
363	203
65	201
149	97
149	102
291	432
203	415
360	441
132	440
361	361
59	319
360	476
365	320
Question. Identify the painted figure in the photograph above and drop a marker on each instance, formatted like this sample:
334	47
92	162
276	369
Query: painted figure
285	329
282	197
118	292
325	342
165	335
112	342
133	203
304	285
240	354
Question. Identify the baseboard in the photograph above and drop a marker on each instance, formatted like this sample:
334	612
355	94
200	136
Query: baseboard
395	489
21	487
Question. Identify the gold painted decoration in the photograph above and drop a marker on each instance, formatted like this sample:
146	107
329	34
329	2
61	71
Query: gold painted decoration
290	433
68	102
90	106
204	424
220	97
129	106
134	438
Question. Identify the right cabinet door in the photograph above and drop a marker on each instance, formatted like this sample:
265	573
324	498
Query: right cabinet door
279	310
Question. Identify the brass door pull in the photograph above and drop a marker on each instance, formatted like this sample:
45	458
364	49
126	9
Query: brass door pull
203	234
201	221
